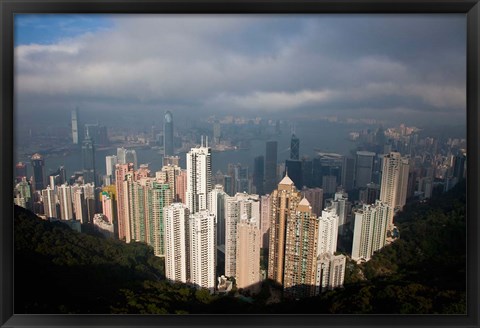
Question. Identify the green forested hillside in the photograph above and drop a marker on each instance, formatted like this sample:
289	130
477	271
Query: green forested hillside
58	270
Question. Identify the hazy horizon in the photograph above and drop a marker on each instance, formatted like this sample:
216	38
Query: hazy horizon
392	68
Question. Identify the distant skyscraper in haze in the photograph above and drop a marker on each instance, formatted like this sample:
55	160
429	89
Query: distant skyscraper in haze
171	160
294	147
199	178
307	172
216	132
76	136
125	156
168	134
110	163
270	166
241	181
88	160
258	174
459	166
38	166
348	173
363	168
315	198
294	169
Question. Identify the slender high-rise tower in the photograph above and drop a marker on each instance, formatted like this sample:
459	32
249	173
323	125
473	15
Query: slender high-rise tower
363	168
38	165
270	166
393	190
88	160
79	205
199	178
202	226
49	202
248	254
283	201
121	173
176	242
242	205
300	252
76	136
258	174
168	134
327	231
64	193
217	200
110	162
294	147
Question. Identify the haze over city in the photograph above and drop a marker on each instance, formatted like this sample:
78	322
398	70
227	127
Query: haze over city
408	68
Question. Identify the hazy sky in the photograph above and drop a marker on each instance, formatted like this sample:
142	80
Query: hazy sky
392	67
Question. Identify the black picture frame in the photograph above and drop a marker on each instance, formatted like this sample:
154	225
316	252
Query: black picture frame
8	8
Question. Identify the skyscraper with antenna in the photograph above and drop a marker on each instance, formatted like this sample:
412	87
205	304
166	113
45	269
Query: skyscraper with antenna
199	176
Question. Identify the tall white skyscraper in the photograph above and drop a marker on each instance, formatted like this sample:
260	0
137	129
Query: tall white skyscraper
242	205
176	242
393	190
199	178
64	193
201	244
370	230
327	231
49	200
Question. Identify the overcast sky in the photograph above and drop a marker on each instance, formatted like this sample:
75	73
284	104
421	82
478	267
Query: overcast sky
391	67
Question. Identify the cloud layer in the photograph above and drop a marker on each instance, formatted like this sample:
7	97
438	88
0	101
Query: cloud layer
294	65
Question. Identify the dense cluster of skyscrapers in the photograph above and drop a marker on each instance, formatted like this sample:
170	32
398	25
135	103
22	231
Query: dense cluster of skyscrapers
295	217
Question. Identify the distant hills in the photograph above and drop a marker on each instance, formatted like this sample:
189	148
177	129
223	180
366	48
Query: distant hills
58	270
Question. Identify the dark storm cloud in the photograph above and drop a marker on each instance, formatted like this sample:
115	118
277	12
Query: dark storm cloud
258	65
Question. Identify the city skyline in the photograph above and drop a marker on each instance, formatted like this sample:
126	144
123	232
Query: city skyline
284	163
